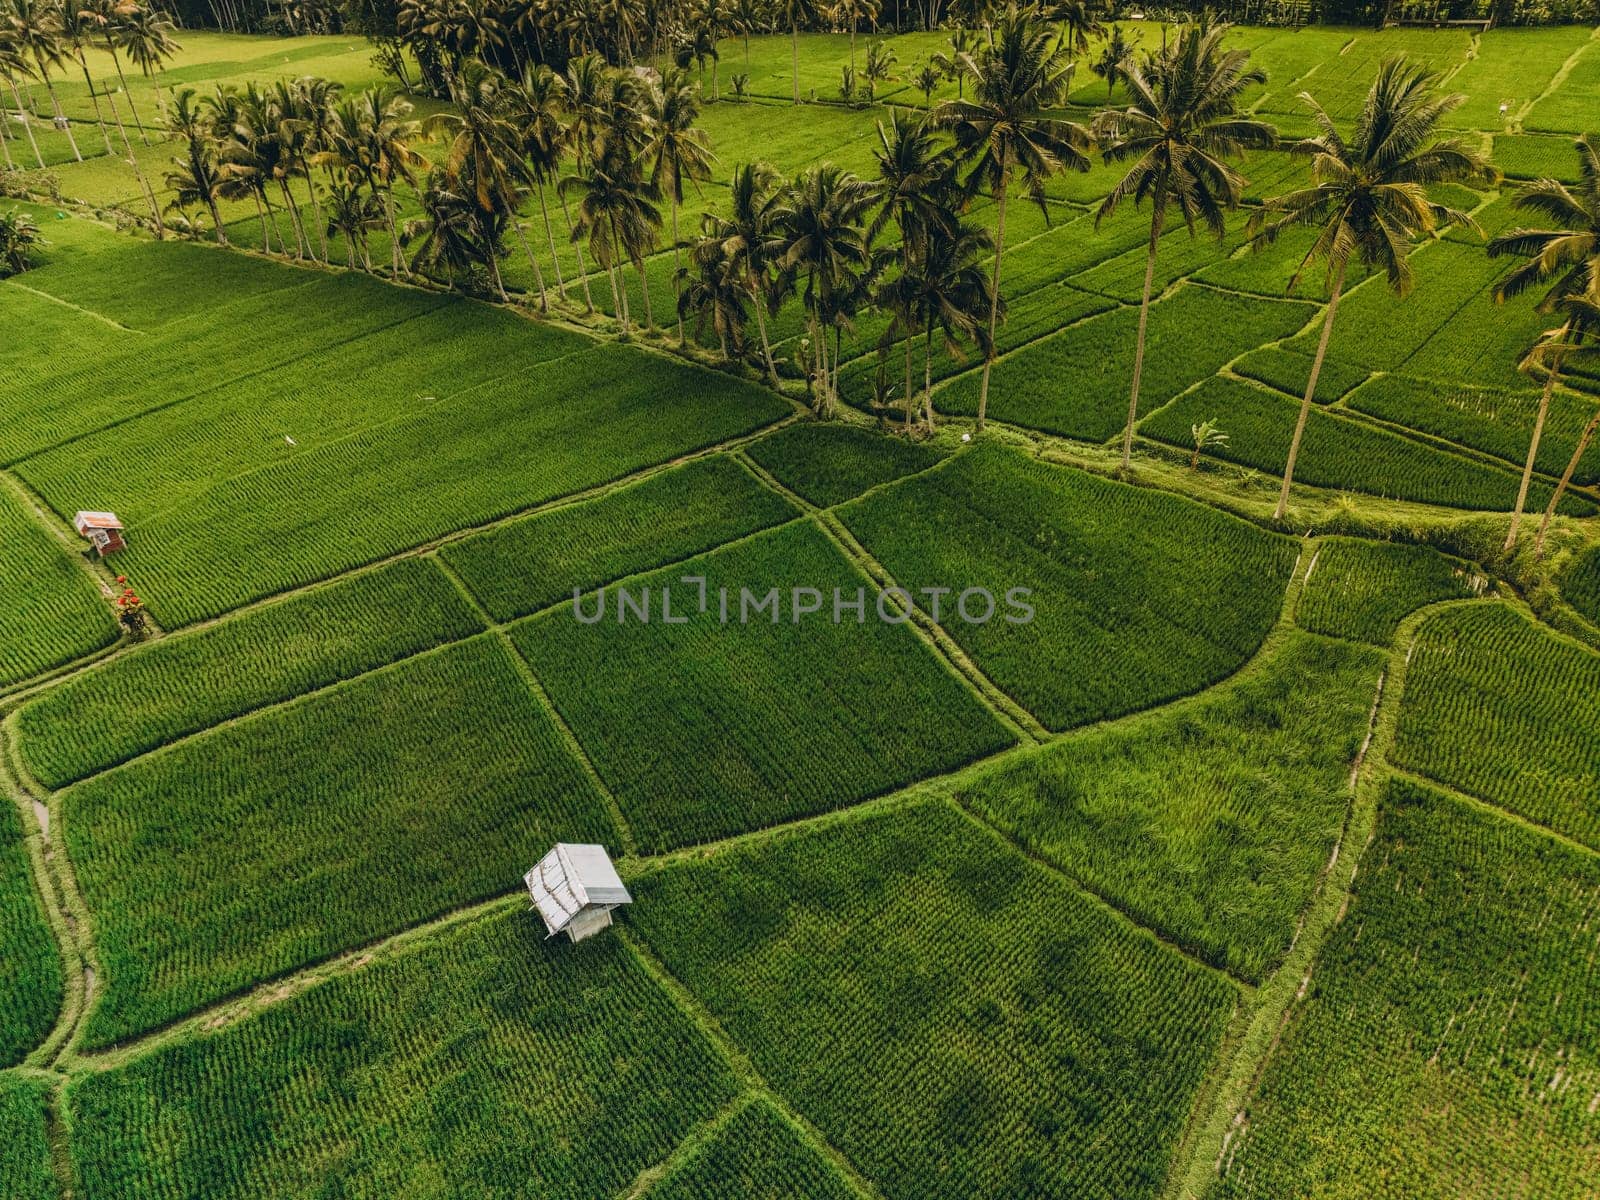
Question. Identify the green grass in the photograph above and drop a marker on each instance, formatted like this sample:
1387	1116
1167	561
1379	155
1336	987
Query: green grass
1076	382
1209	825
829	464
30	964
1139	596
1581	584
486	1063
1525	156
1339	452
1494	422
758	1155
285	838
1444	1049
535	562
51	611
1363	590
705	729
1501	709
908	972
26	1172
181	685
1512	66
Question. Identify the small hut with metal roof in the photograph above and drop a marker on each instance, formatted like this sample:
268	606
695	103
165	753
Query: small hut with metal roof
574	889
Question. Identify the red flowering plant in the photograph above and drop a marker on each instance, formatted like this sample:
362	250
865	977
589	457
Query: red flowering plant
130	610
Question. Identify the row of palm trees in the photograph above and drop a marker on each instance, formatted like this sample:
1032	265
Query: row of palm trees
624	144
40	38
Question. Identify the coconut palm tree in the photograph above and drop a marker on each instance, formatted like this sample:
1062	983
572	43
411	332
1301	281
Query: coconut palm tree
676	149
1179	131
314	99
77	32
1009	128
749	234
746	17
19	238
1567	259
483	159
715	20
35	30
821	239
852	13
372	138
108	16
14	66
796	13
1582	323
145	33
714	288
954	299
616	217
1114	58
446	229
1079	21
1368	198
197	178
534	109
353	214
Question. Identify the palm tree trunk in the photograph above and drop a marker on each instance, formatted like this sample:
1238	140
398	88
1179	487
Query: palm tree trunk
644	286
266	239
908	374
577	248
138	173
550	234
272	216
1566	478
677	283
494	271
394	232
1311	392
994	300
1157	218
5	141
538	274
1533	453
714	64
927	376
316	212
22	112
94	96
760	303
794	33
616	300
61	117
123	80
301	249
216	220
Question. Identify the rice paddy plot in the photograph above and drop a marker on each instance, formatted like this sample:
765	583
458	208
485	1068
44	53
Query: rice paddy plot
289	836
166	459
829	464
1341	453
30	963
558	428
1138	597
181	685
1489	677
908	971
1445	1047
469	1044
1580	584
1511	67
1075	382
26	1172
535	562
704	728
1363	590
757	1155
1210	824
1492	421
60	401
1532	156
1289	372
53	611
1178	255
1570	108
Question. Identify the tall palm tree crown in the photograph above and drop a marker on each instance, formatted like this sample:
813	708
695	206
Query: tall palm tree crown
1181	127
1368	201
1565	260
1008	127
676	149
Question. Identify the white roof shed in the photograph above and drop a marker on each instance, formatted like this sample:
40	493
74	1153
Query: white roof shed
574	888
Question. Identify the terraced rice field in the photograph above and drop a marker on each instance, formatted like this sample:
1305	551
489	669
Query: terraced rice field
1225	856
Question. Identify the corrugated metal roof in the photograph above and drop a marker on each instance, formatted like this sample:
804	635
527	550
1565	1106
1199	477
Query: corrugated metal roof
569	879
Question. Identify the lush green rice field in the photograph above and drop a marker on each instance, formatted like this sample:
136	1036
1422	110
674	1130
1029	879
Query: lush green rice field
1260	860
